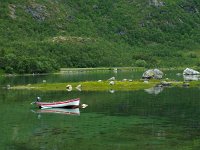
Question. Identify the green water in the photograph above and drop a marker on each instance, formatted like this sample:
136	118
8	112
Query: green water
119	120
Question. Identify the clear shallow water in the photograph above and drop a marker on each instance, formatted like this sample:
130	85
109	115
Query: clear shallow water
119	120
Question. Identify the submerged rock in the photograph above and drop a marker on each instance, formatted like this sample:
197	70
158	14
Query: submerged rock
152	73
189	71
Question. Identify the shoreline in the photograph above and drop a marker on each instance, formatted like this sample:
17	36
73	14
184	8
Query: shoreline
65	70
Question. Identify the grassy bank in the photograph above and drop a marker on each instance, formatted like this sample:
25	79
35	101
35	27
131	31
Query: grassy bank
63	70
104	85
181	68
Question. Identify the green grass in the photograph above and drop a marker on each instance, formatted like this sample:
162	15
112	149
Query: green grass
102	86
90	86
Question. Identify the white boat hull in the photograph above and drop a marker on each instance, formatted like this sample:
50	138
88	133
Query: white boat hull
61	104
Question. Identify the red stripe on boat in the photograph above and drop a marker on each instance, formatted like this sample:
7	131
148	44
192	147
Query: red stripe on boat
55	103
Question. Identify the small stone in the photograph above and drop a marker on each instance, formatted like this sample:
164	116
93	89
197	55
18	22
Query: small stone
165	83
111	79
69	87
78	87
124	80
111	82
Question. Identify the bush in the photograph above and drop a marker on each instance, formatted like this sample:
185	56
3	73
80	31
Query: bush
140	63
9	69
198	64
192	55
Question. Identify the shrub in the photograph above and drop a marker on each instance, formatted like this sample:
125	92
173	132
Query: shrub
140	63
9	69
192	55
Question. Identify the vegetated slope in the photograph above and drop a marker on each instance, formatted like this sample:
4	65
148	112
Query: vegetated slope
43	35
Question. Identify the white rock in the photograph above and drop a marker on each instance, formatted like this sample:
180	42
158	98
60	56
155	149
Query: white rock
111	79
189	71
153	73
111	82
78	87
124	80
84	105
69	87
8	86
115	70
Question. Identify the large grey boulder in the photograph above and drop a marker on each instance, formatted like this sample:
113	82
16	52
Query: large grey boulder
152	73
189	71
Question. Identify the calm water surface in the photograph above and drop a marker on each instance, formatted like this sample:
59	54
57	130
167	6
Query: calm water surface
154	119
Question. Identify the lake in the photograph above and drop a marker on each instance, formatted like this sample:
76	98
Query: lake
158	119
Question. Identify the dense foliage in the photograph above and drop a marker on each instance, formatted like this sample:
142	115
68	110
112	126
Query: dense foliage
39	36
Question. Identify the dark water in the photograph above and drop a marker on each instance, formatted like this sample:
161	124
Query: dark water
120	120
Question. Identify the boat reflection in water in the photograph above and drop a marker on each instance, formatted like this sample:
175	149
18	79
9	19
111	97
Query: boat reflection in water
72	111
65	111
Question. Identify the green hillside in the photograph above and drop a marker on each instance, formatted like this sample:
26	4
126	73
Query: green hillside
43	35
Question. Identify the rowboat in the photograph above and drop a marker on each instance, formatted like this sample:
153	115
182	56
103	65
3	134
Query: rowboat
72	103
